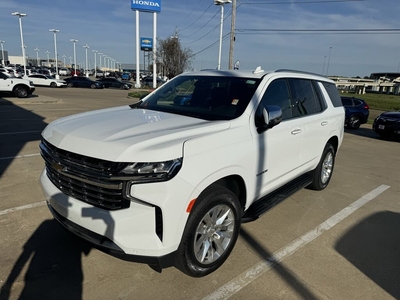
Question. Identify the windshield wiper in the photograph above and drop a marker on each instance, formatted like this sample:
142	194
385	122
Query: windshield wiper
136	105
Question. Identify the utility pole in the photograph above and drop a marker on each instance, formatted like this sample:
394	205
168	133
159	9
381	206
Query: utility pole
232	39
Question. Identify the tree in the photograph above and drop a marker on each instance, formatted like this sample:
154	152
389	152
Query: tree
172	57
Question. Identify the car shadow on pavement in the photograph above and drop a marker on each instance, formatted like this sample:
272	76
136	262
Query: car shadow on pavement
18	127
302	291
373	247
364	132
52	258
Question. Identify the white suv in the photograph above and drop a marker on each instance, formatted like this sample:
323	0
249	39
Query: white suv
169	179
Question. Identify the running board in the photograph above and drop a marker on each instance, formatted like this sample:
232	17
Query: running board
261	206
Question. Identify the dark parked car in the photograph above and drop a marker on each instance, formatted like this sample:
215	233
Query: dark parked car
80	81
387	124
110	82
357	112
148	81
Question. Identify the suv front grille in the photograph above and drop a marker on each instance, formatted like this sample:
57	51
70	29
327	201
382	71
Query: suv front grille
85	178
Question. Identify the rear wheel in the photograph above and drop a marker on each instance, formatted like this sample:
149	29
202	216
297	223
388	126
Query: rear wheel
70	84
93	86
210	233
323	172
354	122
21	91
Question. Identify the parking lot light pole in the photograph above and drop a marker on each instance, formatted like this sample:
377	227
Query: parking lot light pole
95	62
3	61
100	54
48	58
74	41
37	56
54	31
70	61
20	16
64	56
86	63
221	3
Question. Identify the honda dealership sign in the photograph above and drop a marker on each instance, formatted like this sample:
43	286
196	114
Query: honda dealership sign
146	6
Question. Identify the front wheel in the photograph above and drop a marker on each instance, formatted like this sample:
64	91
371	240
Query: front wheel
323	172
53	85
93	86
21	92
70	85
210	233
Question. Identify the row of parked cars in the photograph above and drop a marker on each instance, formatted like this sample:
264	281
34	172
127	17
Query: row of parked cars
387	124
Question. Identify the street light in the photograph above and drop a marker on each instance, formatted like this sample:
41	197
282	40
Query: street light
221	3
54	31
86	65
74	41
95	63
70	61
3	61
48	59
64	56
100	54
37	56
329	59
21	15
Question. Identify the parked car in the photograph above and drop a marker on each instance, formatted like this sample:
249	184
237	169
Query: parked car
148	81
78	72
19	87
126	76
99	74
64	72
171	184
45	80
387	124
109	82
81	81
357	112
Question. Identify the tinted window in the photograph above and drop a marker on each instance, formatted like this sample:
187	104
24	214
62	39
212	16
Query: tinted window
333	93
304	97
357	102
278	94
347	102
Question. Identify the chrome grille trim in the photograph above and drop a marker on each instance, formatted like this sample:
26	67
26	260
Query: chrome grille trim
84	178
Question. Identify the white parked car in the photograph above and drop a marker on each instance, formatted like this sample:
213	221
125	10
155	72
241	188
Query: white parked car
20	88
64	72
169	179
45	80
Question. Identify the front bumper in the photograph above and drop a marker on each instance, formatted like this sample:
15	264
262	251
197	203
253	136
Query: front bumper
128	233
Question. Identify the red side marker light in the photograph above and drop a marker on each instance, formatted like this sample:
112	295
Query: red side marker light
190	205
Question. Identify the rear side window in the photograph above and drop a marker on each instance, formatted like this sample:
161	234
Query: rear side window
347	102
333	93
304	97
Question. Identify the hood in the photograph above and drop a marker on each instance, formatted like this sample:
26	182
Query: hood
128	135
390	114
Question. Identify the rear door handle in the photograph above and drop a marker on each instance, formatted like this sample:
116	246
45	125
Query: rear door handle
323	123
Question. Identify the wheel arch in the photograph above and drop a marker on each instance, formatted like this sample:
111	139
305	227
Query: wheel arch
334	141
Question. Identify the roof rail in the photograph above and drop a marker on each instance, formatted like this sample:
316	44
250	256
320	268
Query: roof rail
297	71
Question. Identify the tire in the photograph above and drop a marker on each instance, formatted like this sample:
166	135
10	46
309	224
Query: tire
70	85
323	172
53	85
210	233
354	122
93	86
21	91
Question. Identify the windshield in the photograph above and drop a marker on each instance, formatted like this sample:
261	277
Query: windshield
204	97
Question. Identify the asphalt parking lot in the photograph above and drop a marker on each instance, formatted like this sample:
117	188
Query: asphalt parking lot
341	243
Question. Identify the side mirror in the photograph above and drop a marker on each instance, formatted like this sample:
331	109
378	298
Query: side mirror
272	115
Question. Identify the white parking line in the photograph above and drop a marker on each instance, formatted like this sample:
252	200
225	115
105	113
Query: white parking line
19	156
23	207
245	278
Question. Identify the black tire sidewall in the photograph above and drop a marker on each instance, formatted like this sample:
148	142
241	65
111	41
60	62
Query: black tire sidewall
21	92
186	260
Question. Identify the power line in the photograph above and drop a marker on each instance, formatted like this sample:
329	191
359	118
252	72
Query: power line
213	44
186	36
302	2
331	31
189	13
198	17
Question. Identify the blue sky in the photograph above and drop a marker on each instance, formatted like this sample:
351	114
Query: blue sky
109	27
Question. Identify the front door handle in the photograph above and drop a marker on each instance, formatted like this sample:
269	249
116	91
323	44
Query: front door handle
324	123
296	131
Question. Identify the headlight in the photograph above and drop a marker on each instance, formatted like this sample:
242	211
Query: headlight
31	83
152	171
